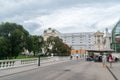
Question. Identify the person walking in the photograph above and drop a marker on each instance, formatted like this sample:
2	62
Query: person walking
110	58
104	60
71	57
77	56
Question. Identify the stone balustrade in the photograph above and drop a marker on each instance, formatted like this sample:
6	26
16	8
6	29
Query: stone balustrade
18	62
4	64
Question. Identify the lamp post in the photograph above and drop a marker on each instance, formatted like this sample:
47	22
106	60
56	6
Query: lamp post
38	59
9	35
39	51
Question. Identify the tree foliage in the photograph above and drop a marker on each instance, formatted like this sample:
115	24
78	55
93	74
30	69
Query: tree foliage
14	35
57	47
34	43
4	47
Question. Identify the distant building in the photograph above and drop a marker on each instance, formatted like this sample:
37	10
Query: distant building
78	41
102	41
99	40
116	37
83	40
50	32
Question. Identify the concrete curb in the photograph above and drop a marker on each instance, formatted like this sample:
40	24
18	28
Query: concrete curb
112	73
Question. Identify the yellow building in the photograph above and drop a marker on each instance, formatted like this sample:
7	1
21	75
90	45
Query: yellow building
82	51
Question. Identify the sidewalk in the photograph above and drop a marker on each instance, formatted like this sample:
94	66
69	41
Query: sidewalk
115	70
6	72
101	73
10	71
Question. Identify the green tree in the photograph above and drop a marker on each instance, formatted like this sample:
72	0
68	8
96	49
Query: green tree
16	35
4	48
34	44
57	47
29	43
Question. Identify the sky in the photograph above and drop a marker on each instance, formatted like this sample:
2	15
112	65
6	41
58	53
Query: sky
66	16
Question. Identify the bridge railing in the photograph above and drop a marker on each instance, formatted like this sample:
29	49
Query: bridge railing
4	64
17	62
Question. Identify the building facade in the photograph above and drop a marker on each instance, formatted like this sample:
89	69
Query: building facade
78	41
50	32
84	41
102	41
99	40
116	37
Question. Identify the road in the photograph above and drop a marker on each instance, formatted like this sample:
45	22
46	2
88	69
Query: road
70	70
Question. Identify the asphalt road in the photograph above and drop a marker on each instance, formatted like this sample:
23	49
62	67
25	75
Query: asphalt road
70	70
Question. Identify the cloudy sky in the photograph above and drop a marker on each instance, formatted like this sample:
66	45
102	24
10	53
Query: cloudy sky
67	16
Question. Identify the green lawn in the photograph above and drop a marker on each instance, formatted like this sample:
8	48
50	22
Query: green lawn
24	56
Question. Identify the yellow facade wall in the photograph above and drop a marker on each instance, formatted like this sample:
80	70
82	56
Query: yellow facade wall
82	51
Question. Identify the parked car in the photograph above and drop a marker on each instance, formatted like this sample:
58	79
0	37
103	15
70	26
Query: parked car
98	58
89	59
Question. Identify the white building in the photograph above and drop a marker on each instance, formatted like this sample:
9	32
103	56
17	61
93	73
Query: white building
102	41
50	32
83	40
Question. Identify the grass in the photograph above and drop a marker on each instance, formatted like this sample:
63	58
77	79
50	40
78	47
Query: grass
24	56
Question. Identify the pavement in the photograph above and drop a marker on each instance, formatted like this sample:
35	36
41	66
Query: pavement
101	73
114	71
14	70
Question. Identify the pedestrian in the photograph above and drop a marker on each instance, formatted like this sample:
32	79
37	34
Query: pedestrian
71	57
104	60
110	58
77	56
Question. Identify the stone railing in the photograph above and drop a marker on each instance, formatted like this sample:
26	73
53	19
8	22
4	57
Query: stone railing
18	62
4	64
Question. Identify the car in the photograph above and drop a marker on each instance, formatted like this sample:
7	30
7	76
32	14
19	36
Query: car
98	58
89	59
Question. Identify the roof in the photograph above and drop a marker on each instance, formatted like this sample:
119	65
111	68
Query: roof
107	50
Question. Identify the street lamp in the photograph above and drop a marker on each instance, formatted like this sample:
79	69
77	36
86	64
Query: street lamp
9	35
39	52
38	59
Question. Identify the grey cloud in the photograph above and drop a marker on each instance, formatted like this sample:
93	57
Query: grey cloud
35	7
21	10
31	27
19	7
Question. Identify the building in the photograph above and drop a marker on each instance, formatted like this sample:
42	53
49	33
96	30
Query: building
102	43
102	40
116	37
50	32
78	41
99	40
